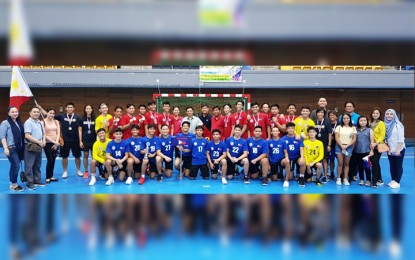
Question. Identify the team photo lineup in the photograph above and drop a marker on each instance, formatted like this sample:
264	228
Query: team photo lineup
263	144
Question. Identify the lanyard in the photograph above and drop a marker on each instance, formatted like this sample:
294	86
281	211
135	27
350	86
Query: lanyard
256	120
70	119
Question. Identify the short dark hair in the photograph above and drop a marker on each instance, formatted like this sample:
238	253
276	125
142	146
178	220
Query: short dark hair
186	123
135	127
290	124
69	104
348	102
199	127
367	122
240	101
216	107
166	103
216	131
118	107
129	105
189	107
163	125
227	104
254	104
305	107
151	102
204	105
311	128
101	129
117	130
238	126
151	126
142	105
291	104
318	110
275	105
258	127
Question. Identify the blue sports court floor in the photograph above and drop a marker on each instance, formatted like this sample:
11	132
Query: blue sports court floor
78	185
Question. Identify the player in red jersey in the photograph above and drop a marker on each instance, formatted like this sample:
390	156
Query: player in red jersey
127	121
166	118
152	117
257	118
114	122
240	118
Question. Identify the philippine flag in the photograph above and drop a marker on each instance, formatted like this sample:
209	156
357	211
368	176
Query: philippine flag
19	90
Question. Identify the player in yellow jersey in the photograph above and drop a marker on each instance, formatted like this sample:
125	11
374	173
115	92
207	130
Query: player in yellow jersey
99	154
314	154
102	121
303	122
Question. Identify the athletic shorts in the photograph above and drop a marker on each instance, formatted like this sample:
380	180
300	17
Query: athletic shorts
87	147
137	166
124	166
152	167
275	167
215	169
204	170
101	168
168	165
293	163
71	146
187	162
326	153
232	166
254	168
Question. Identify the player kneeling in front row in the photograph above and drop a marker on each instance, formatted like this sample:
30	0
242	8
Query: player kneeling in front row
216	151
98	155
278	156
149	142
199	161
258	156
135	158
165	147
237	154
295	149
117	154
314	153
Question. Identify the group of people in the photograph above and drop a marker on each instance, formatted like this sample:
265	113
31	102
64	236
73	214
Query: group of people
263	141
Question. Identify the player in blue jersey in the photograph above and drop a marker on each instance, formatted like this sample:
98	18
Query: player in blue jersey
135	158
117	155
216	155
258	156
237	154
165	147
278	155
148	144
295	149
199	161
183	153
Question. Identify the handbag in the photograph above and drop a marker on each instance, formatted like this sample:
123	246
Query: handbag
32	147
383	148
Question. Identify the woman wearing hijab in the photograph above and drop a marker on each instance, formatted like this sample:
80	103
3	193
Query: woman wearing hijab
396	141
12	139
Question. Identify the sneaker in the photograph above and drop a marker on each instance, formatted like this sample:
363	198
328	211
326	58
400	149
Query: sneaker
395	249
374	185
80	174
354	178
332	177
346	182
264	181
318	182
339	181
92	181
86	175
324	179
141	180
301	182
110	181
391	183
129	181
65	175
224	181
361	182
380	182
40	184
30	187
15	187
395	185
286	184
368	183
159	178
246	180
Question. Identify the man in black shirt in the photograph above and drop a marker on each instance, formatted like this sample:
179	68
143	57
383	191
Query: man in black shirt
206	119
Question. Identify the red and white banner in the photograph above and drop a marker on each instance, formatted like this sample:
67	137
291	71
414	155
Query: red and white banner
19	90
